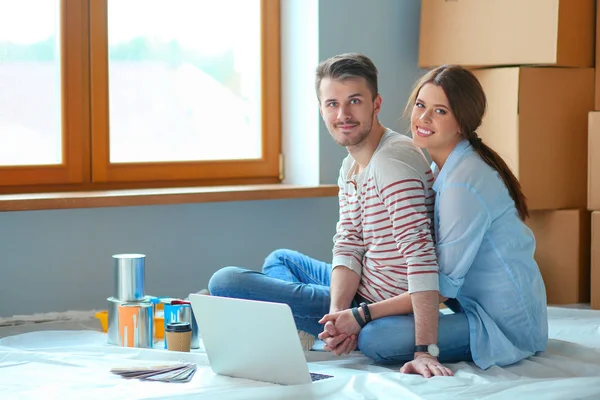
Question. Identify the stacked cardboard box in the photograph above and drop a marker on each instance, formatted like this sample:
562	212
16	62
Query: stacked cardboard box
535	61
593	200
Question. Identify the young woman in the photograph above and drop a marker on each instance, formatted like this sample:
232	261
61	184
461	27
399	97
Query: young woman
485	251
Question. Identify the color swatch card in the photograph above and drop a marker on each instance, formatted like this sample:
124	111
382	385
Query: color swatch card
166	373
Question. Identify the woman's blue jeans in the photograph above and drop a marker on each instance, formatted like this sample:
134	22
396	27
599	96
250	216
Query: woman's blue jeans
303	283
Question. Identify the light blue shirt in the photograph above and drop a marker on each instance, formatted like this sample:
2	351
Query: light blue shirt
485	256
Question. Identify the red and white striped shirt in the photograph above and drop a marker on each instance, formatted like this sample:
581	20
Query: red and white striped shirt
385	228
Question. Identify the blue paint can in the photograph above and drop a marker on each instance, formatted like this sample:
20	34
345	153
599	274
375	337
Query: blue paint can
181	313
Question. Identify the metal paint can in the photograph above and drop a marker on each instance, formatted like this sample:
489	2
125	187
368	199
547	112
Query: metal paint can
113	320
181	313
113	317
129	276
136	322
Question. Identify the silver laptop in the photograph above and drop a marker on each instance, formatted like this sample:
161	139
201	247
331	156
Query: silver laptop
251	339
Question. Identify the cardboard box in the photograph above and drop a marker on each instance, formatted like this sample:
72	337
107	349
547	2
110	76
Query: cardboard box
593	203
507	32
595	262
597	99
563	253
537	120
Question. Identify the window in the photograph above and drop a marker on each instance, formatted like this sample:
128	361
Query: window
100	94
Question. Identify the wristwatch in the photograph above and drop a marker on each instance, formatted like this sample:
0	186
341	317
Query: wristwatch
431	349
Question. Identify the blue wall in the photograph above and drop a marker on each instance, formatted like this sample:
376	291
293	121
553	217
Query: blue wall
60	260
388	32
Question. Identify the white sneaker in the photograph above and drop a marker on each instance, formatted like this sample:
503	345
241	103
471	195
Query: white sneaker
307	340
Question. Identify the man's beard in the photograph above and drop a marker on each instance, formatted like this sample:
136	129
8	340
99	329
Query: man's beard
354	140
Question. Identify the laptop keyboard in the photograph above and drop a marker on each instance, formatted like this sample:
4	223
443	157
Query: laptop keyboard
317	377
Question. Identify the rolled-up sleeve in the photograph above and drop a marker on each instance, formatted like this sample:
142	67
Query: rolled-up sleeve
348	247
463	220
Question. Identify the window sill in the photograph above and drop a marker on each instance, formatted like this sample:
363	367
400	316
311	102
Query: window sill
149	197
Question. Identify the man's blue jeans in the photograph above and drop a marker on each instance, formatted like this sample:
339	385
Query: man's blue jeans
303	283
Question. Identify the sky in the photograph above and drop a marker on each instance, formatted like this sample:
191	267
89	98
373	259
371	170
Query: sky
184	20
19	24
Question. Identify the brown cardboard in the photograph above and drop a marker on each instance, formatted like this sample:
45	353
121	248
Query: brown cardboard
597	83
593	161
595	262
537	120
563	253
507	32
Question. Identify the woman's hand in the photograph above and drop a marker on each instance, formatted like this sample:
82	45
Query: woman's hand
426	366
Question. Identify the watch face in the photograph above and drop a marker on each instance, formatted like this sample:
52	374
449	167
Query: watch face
433	350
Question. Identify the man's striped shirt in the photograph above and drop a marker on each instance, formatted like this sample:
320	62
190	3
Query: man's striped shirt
384	232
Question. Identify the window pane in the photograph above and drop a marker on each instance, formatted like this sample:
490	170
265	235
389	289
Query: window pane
184	80
30	123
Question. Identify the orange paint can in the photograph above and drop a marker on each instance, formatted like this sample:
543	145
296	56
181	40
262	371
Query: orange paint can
136	324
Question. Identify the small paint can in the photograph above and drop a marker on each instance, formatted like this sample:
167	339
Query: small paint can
129	276
181	313
136	323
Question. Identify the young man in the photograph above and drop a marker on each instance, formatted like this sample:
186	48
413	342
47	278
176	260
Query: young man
384	260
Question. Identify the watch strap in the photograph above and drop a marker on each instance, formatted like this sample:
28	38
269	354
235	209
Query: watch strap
422	348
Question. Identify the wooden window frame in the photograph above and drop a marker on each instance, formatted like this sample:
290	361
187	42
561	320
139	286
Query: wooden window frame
74	91
86	167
